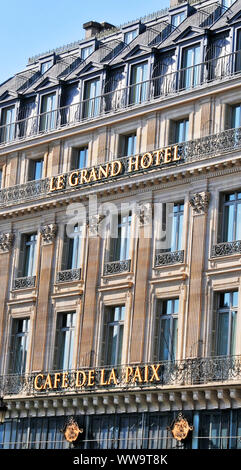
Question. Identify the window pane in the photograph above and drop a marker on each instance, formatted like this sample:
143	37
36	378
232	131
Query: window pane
238	223
236	115
222	340
115	329
138	76
91	97
19	345
229	223
47	120
191	63
164	352
233	332
65	341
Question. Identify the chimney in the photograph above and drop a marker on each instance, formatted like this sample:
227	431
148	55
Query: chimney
175	3
92	28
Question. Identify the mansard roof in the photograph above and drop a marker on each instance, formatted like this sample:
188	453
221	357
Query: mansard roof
111	50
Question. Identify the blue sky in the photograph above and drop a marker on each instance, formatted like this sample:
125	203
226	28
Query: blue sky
30	27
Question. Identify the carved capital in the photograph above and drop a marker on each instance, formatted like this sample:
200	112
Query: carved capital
48	233
93	223
145	213
200	202
6	241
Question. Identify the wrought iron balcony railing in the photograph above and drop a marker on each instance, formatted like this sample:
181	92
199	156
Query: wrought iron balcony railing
68	275
190	151
159	87
24	282
168	258
188	372
226	249
117	267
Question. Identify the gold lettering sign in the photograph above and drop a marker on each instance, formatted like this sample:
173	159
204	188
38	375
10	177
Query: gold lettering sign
148	160
98	377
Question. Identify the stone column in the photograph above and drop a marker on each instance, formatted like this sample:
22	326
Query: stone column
6	243
141	284
48	233
199	202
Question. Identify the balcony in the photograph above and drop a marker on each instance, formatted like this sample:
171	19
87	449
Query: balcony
117	267
189	152
149	91
226	249
222	370
168	258
69	275
24	282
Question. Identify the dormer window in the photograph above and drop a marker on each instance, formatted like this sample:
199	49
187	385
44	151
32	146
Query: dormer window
45	66
130	35
7	131
178	18
227	3
86	51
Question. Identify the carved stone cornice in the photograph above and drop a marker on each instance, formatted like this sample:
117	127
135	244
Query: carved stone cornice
6	242
200	202
48	233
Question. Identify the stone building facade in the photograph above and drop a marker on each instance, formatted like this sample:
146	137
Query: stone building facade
120	203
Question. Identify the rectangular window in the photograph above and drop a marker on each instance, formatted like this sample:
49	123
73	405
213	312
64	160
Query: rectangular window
35	170
72	249
91	98
236	116
86	51
7	124
181	130
79	158
19	346
178	19
27	258
127	145
225	323
48	112
231	217
130	35
238	52
113	335
166	329
120	240
227	3
190	75
45	66
138	88
170	227
64	342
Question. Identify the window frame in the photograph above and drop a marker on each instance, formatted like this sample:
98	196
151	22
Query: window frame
60	359
173	318
120	325
14	334
231	331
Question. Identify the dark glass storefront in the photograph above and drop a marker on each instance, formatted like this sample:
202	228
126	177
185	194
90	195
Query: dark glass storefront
212	430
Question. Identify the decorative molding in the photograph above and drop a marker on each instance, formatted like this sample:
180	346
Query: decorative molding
6	241
200	202
48	233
